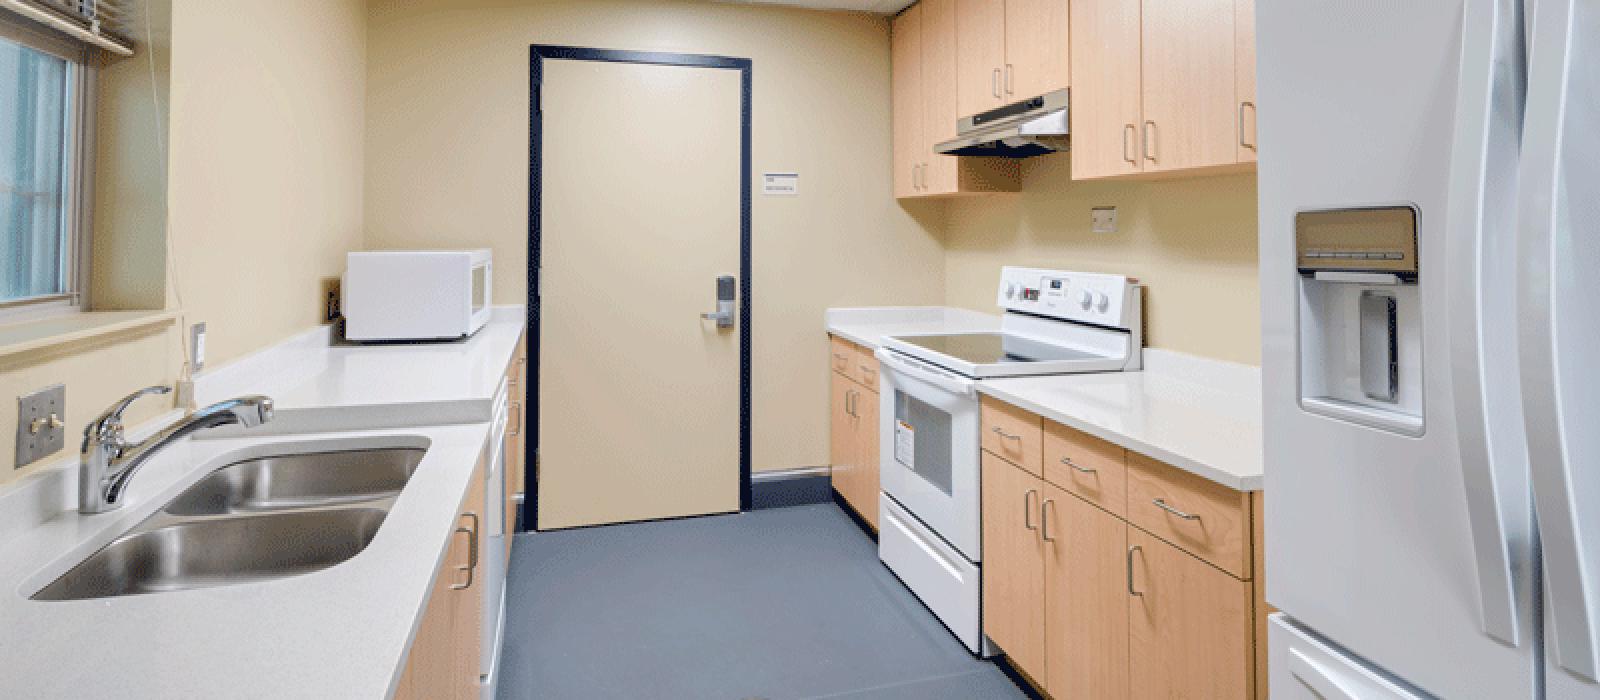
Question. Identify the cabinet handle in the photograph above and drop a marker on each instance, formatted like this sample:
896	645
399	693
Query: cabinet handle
1242	140
1162	504
472	552
866	372
1149	137
994	83
1044	519
849	405
1011	84
1129	133
1082	470
1027	509
922	176
1131	550
840	357
516	425
1005	435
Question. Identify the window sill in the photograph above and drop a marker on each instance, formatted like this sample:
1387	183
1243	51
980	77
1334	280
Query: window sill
28	336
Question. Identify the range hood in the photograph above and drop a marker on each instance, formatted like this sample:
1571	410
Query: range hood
1033	127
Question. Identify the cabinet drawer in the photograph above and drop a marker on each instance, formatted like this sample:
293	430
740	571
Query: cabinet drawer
1208	519
865	368
1013	433
841	354
1092	468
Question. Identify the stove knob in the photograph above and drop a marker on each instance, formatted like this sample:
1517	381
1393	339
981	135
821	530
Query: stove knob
1085	299
1102	302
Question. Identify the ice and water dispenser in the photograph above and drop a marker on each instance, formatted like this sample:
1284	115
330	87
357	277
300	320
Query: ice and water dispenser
1361	316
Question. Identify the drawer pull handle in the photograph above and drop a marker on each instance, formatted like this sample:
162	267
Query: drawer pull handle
1131	550
1162	504
1027	509
1005	435
840	358
1044	519
1085	470
866	371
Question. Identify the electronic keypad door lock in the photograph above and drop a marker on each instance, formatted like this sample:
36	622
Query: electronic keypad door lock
724	313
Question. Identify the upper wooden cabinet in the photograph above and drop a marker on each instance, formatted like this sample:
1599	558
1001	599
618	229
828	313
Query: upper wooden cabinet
1159	87
926	103
1009	50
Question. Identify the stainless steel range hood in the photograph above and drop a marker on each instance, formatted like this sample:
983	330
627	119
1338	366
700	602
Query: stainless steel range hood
1033	127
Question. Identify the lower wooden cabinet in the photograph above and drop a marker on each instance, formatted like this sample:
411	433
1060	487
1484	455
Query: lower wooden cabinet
853	428
1087	604
1190	628
1013	563
1086	600
444	659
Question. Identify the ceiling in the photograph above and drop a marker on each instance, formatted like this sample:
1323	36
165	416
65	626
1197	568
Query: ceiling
886	7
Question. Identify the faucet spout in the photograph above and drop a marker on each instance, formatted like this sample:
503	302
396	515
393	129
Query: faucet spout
108	462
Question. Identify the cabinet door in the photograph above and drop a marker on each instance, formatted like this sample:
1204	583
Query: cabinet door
980	55
1105	110
1190	114
842	435
1244	61
1189	625
1086	599
940	108
905	59
467	619
1013	564
866	455
1037	57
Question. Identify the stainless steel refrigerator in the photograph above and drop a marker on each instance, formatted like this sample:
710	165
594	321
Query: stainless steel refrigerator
1429	184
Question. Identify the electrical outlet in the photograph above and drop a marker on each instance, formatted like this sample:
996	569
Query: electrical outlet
1103	219
197	347
330	299
41	424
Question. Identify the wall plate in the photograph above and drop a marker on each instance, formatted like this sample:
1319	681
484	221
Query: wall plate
1103	219
41	424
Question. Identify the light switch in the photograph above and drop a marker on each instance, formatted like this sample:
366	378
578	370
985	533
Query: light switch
41	424
1103	219
197	347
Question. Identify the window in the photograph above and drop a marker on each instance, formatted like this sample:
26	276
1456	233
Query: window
42	176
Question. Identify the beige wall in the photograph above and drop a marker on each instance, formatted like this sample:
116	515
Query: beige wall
447	162
264	194
1191	241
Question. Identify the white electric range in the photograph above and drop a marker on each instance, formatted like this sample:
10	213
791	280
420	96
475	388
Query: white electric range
1055	322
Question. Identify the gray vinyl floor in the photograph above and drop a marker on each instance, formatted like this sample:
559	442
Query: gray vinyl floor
777	604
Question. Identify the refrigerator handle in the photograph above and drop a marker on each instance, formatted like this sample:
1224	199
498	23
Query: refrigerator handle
1479	261
1558	297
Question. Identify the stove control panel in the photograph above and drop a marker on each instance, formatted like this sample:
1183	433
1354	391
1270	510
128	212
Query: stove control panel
1105	300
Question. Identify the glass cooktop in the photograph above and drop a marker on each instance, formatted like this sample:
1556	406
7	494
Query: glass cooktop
995	348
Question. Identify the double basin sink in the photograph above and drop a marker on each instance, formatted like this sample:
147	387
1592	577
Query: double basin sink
254	520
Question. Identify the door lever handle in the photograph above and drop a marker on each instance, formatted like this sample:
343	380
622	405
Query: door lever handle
724	313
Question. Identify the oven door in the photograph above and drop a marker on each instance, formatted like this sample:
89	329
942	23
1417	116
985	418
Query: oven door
928	447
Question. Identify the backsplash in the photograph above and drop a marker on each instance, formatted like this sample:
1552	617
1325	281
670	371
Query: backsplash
1192	242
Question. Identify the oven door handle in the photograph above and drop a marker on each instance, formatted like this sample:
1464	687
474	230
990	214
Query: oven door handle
953	383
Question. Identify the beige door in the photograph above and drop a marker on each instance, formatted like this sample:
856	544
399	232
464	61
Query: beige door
638	395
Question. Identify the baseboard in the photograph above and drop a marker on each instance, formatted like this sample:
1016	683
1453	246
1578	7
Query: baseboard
790	487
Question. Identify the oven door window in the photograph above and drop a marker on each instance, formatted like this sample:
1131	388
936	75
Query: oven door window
923	440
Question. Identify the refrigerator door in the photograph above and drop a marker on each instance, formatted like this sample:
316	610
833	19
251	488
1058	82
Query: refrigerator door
1373	541
1559	324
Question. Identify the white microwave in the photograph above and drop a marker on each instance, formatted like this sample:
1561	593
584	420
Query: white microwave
416	294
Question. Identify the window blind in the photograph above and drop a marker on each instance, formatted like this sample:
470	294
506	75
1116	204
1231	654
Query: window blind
104	24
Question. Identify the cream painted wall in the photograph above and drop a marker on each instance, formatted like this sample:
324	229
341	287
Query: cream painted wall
1191	241
264	194
268	117
447	161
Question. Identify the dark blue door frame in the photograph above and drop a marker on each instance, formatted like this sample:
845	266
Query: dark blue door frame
539	53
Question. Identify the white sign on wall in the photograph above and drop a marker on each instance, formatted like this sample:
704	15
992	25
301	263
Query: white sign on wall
780	184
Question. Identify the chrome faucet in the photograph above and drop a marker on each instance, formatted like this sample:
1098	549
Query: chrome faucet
108	461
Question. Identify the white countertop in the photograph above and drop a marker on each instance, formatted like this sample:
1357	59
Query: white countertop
1197	414
341	632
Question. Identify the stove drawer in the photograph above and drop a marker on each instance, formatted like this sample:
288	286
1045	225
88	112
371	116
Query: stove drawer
1013	434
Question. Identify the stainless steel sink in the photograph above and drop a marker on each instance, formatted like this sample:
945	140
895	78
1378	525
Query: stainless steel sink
298	481
254	520
204	553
